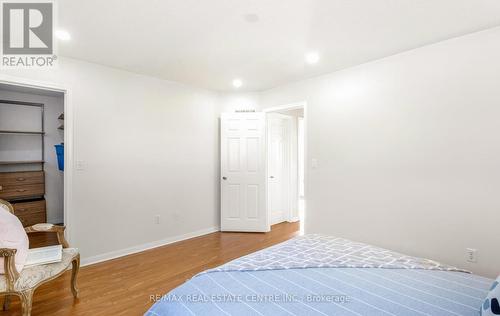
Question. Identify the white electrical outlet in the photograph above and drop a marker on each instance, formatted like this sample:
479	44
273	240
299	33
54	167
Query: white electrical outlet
157	219
471	254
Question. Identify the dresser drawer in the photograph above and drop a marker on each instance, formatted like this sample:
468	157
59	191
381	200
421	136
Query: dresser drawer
31	213
10	192
32	219
21	178
30	207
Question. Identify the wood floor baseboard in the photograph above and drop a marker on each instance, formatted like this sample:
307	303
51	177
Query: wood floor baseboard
147	246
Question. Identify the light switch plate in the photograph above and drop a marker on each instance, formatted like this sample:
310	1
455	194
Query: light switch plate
80	165
314	163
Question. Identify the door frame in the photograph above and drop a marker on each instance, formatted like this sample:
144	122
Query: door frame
69	119
294	106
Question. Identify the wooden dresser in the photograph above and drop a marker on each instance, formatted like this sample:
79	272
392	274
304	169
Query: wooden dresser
25	190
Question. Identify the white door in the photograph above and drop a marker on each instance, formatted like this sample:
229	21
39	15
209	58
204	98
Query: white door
278	164
243	172
301	156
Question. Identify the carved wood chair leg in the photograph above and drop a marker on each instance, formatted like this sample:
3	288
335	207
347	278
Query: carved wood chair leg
26	301
6	302
74	273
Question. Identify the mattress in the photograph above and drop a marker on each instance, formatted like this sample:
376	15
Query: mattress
323	275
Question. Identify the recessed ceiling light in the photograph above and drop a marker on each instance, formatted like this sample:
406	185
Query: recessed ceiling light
312	58
237	83
63	35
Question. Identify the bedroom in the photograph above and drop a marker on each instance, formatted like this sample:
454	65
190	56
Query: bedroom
401	107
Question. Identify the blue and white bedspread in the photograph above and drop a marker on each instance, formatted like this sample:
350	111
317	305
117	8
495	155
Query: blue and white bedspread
322	275
320	251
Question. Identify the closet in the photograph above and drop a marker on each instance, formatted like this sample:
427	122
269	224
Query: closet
29	175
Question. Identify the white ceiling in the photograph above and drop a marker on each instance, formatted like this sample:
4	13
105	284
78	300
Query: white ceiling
208	43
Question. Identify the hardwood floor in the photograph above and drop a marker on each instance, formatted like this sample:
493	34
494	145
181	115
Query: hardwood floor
123	286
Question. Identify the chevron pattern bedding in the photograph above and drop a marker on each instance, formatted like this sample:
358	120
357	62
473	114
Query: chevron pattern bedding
320	251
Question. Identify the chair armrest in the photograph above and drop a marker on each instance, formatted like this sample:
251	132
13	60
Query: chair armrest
10	208
11	274
49	228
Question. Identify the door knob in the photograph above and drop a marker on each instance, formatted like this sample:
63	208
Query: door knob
224	178
271	177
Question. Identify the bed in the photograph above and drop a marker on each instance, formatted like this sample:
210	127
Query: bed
324	275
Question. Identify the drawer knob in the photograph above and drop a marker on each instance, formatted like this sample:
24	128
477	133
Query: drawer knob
21	190
21	179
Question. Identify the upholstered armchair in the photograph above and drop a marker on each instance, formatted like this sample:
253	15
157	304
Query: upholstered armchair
24	283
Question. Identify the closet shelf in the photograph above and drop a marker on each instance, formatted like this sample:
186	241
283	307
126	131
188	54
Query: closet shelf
21	103
21	162
22	132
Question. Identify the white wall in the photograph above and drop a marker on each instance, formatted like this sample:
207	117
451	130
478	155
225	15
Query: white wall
409	151
149	148
24	147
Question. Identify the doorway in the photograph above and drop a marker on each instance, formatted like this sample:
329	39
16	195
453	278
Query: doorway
32	137
262	168
285	164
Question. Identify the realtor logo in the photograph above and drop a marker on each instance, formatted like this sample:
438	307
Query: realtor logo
27	34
